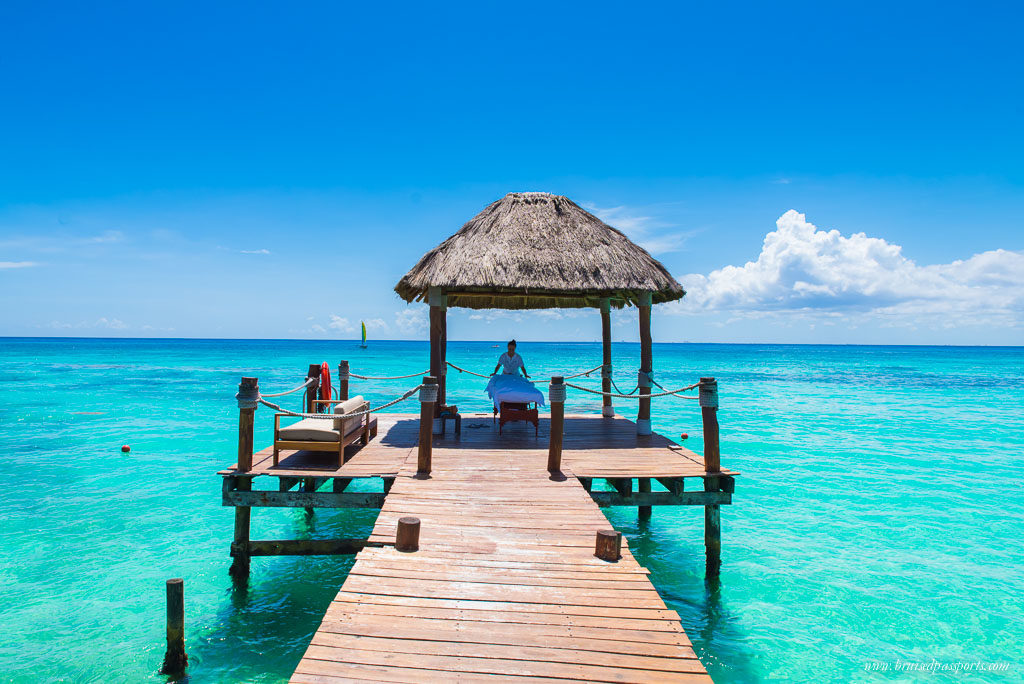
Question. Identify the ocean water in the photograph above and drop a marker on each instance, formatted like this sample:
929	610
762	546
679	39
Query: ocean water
875	533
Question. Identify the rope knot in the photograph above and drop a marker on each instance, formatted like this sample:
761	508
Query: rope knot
248	396
428	394
708	397
556	393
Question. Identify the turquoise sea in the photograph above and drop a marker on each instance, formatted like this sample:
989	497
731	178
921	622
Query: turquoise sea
875	534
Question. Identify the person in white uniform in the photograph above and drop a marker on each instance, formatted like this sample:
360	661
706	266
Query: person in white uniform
510	362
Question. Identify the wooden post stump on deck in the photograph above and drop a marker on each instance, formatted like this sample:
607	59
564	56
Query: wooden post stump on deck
608	545
712	513
175	658
428	399
407	537
556	397
248	399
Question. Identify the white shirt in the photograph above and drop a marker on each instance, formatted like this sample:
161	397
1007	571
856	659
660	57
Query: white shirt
510	364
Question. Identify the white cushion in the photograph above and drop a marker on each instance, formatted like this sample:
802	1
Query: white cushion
309	430
355	404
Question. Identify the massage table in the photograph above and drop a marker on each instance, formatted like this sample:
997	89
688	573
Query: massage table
515	398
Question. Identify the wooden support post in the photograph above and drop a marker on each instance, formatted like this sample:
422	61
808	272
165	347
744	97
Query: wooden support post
643	417
712	514
175	658
407	537
608	545
428	400
248	390
438	339
556	396
313	391
643	485
343	372
607	409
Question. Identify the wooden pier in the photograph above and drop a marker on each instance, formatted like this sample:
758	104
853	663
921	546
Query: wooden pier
505	582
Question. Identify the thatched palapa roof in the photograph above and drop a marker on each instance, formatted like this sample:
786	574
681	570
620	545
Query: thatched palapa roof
535	250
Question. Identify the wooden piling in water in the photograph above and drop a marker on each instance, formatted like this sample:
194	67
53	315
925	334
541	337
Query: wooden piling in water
428	400
175	658
643	485
407	537
712	465
246	418
556	397
608	545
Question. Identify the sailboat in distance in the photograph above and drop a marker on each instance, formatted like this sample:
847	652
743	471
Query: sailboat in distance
363	343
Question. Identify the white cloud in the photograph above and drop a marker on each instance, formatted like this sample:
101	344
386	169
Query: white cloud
111	323
412	321
338	323
17	264
106	237
651	233
375	324
255	251
809	272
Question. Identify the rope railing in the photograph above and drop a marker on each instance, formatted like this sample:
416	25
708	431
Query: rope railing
463	370
567	377
388	377
342	416
637	396
304	385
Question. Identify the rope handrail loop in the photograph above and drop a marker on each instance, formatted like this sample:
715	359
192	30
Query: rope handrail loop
387	377
463	370
633	396
309	381
342	416
586	372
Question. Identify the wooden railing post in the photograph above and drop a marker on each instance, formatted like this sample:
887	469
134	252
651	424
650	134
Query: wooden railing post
556	396
643	416
407	536
313	391
607	410
343	380
712	514
175	658
428	399
248	394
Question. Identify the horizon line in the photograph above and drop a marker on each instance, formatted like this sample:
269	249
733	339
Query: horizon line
426	341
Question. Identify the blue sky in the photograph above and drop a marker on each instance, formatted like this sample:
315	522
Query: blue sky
248	170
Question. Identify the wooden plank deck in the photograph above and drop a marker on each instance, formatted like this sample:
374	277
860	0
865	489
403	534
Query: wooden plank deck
593	447
505	586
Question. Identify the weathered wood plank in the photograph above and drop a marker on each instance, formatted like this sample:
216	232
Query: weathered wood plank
605	499
304	499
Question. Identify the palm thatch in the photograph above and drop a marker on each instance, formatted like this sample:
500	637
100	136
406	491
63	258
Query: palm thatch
535	250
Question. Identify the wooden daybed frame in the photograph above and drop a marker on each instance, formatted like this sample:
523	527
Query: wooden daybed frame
364	430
